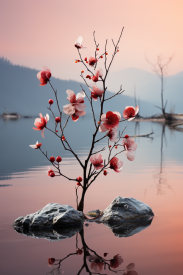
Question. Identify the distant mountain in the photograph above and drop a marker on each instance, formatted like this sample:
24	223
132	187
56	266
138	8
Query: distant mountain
20	92
148	87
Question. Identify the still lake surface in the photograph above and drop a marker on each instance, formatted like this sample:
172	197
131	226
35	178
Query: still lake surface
154	177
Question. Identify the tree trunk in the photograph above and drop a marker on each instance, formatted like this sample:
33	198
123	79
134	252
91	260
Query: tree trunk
81	203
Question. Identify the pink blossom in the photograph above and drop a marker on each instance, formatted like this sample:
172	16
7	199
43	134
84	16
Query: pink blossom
36	146
44	76
130	112
97	161
99	72
40	123
92	61
116	261
130	146
76	106
129	268
116	165
96	92
110	120
78	43
97	266
112	134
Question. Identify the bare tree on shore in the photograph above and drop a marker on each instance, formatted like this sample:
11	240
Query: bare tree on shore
160	69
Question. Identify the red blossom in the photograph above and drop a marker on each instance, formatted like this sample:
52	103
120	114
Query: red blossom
99	72
130	146
63	138
96	92
97	161
58	159
116	165
85	59
130	112
57	119
44	76
51	173
76	106
51	261
92	61
116	261
110	120
97	266
112	134
40	123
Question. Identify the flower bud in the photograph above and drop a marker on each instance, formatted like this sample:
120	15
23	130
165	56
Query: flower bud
51	261
105	173
63	138
57	119
79	179
52	174
58	159
79	251
52	159
126	136
50	101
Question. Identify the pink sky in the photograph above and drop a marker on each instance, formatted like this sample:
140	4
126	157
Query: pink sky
36	33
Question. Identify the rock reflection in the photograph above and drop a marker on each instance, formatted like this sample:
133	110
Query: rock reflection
50	234
93	263
128	228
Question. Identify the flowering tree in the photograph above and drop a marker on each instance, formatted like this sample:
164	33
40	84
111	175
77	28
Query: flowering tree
107	123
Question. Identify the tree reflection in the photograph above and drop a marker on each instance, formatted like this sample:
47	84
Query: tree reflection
162	181
93	263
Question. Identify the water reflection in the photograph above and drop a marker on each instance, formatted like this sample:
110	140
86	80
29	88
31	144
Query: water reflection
92	262
162	181
128	228
50	234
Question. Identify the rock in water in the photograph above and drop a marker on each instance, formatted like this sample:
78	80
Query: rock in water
52	215
122	209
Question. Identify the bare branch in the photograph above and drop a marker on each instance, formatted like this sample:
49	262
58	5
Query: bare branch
118	93
103	149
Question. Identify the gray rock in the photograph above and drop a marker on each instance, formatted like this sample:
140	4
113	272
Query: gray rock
122	209
50	234
52	215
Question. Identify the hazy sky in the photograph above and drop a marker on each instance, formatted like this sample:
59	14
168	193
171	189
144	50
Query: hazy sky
36	33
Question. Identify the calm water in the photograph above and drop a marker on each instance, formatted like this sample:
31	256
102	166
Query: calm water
154	177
